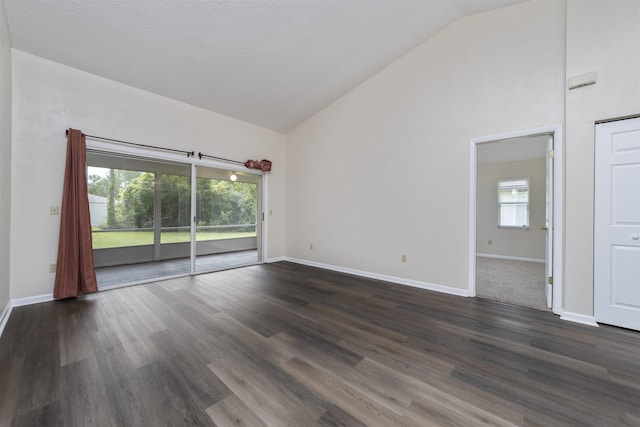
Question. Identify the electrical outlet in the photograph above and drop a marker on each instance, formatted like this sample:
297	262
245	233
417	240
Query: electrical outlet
310	246
52	268
403	258
54	210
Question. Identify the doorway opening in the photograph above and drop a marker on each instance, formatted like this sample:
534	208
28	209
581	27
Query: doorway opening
514	199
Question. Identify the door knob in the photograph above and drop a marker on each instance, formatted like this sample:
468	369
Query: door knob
635	237
543	228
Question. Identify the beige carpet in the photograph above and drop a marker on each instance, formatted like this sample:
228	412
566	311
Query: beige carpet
514	282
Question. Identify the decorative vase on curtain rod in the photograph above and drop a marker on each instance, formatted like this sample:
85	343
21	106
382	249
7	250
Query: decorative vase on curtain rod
263	165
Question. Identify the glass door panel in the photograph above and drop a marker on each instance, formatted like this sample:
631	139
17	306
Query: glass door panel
227	226
139	209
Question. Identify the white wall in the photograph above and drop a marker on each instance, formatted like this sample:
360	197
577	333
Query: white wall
383	171
509	242
5	159
49	97
603	37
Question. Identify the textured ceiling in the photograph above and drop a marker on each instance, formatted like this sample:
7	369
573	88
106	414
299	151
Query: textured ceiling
270	63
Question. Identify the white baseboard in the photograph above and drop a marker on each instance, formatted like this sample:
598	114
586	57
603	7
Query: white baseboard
4	318
511	258
393	279
18	302
579	318
276	259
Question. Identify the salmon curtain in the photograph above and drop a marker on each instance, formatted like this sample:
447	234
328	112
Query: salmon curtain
75	271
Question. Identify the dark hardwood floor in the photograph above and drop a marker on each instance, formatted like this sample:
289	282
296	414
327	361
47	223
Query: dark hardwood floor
288	345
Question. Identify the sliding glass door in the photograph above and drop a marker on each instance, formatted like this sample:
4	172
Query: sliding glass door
141	217
227	226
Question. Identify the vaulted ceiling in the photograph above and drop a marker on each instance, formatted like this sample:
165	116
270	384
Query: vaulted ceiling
270	63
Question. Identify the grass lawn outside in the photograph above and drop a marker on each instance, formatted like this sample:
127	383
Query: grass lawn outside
118	239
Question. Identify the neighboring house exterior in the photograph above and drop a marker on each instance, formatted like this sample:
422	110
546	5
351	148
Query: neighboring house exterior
97	209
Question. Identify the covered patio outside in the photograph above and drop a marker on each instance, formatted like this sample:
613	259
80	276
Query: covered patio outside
141	272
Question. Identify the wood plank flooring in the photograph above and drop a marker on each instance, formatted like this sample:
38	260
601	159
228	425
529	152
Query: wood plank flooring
289	345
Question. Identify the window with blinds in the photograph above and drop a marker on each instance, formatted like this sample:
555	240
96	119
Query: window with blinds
513	203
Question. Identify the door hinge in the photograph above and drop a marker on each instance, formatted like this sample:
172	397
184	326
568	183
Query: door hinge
263	216
551	280
552	154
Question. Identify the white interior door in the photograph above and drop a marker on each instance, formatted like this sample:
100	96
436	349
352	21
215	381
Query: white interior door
617	224
549	224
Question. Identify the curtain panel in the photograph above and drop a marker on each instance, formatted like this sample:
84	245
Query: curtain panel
75	272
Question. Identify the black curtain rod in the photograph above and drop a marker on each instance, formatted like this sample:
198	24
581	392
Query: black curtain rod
200	155
188	153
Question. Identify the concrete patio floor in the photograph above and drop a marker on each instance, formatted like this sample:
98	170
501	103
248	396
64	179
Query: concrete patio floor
133	273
